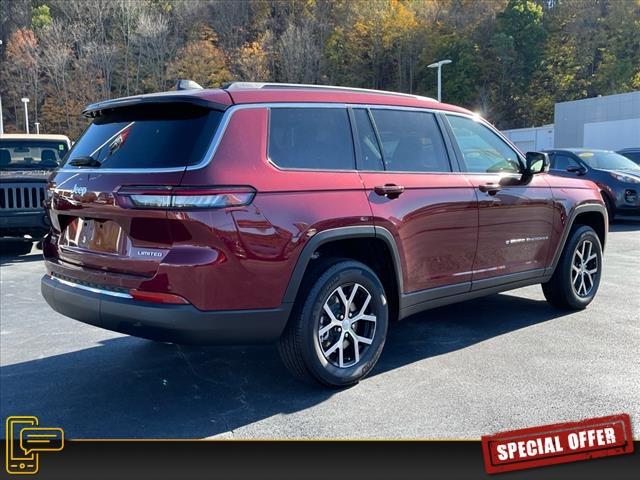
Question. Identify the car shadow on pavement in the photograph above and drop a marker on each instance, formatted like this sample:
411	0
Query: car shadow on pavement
132	388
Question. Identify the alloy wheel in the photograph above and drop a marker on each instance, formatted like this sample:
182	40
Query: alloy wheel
347	325
584	269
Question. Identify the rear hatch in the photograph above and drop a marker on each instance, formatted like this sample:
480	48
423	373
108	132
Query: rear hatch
126	149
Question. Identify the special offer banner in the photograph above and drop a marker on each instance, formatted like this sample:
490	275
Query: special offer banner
559	443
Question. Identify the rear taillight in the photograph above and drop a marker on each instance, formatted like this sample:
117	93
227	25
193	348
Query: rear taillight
184	198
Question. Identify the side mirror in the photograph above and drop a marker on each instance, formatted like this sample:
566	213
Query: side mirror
577	169
537	162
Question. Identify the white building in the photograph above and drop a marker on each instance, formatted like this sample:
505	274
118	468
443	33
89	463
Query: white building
611	123
532	139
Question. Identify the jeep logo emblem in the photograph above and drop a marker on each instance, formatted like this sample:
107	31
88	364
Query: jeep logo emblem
79	190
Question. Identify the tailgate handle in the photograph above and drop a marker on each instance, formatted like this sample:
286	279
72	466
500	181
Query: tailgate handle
389	190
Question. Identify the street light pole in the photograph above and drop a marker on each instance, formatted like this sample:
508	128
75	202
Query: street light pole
25	100
438	65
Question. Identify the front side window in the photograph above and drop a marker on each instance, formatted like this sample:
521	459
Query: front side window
311	138
562	162
411	141
483	151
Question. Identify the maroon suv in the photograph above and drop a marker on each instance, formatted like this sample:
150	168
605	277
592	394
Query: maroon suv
310	216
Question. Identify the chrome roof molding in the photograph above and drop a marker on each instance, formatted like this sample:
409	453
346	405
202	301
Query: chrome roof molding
273	85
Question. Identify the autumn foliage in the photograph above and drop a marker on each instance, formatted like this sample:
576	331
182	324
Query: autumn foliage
512	59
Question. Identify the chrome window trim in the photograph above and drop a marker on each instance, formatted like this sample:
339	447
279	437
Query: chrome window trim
91	289
228	113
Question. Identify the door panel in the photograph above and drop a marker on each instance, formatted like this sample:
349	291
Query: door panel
434	222
515	215
515	225
431	212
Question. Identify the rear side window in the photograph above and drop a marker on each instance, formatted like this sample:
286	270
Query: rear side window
311	138
482	150
153	136
411	141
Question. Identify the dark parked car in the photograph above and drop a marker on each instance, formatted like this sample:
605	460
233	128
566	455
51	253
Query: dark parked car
617	177
310	216
631	153
25	163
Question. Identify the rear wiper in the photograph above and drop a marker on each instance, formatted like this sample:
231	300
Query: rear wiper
85	161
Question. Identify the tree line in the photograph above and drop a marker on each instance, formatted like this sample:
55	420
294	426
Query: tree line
512	59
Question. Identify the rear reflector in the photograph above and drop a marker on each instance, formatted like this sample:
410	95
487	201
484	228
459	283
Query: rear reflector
181	198
157	297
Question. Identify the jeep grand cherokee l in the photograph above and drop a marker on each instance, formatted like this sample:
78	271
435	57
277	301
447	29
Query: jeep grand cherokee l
310	216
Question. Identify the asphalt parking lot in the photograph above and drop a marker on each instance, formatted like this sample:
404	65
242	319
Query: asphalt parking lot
503	362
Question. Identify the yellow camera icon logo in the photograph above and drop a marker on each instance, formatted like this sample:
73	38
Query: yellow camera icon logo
25	441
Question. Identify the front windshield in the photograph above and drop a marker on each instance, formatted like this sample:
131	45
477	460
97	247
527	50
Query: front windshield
607	161
30	154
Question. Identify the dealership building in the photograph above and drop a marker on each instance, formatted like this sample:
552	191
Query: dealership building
611	123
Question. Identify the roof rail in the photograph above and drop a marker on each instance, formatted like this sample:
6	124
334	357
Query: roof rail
256	85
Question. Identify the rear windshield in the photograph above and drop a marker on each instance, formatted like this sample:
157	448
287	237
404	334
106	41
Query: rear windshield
31	154
153	136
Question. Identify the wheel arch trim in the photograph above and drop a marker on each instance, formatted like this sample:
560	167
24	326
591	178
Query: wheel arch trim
337	234
578	210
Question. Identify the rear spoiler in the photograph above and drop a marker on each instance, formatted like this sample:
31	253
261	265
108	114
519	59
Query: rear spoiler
100	108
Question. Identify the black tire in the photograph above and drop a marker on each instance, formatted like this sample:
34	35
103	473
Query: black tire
560	290
300	344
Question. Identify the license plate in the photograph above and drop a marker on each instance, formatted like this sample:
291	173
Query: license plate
100	236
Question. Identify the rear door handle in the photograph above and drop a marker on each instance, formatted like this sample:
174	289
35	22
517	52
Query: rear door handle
389	190
490	188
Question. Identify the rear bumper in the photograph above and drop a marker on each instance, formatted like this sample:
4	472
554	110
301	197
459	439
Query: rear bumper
182	324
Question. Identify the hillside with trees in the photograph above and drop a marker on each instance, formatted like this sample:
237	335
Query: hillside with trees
512	59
